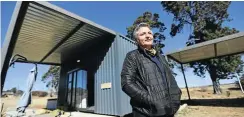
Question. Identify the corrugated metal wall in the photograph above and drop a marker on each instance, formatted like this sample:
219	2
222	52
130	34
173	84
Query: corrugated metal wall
112	101
105	100
124	45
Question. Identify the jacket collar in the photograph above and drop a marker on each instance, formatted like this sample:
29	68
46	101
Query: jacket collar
144	51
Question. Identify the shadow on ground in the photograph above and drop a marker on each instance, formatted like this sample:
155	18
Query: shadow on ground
234	102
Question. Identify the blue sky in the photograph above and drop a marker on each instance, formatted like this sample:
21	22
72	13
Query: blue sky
116	16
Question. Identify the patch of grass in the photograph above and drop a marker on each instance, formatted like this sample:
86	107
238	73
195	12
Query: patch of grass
203	89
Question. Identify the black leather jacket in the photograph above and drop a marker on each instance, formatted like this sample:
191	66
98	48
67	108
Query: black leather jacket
143	82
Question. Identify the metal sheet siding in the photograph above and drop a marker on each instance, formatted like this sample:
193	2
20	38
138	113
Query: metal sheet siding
105	101
124	45
113	101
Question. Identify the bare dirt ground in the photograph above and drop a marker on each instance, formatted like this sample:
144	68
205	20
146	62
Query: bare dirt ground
204	103
11	102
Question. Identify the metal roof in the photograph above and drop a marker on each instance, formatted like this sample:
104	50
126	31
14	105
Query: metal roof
227	45
47	32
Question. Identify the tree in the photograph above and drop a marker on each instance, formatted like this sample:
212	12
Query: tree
205	20
14	89
52	77
155	24
19	92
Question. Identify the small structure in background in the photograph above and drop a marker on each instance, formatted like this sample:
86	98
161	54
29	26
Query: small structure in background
7	94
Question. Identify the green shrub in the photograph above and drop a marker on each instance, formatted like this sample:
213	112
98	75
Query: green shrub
39	93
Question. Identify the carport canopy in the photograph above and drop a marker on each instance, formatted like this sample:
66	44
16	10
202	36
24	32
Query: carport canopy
224	46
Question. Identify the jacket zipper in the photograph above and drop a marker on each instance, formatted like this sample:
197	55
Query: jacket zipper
167	85
167	82
165	77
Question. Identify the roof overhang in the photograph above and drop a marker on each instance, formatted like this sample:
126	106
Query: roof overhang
47	34
224	46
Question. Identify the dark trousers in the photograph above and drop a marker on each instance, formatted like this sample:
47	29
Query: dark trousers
139	114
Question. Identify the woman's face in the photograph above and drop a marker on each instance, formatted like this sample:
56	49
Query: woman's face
145	37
